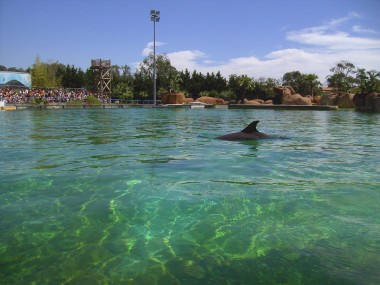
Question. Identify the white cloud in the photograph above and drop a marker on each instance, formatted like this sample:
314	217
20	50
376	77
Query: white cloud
338	21
275	65
360	29
330	37
149	47
186	59
317	49
333	41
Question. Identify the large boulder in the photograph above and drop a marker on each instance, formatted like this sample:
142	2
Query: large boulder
173	98
367	102
189	100
253	102
297	99
317	100
329	99
287	96
359	100
345	100
210	100
342	100
284	90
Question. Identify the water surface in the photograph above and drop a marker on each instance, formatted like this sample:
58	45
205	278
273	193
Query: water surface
147	196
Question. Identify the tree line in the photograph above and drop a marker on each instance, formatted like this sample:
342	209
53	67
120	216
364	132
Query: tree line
137	85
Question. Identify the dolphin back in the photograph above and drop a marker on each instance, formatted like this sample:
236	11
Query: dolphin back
251	128
249	133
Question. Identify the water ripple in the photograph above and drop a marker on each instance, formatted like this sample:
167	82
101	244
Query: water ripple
147	196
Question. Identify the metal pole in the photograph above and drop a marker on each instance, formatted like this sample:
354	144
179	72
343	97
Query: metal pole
154	62
155	17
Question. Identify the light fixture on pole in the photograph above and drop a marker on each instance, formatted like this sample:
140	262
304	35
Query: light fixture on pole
155	17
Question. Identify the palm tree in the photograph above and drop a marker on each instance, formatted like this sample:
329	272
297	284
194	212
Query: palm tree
311	78
368	81
245	85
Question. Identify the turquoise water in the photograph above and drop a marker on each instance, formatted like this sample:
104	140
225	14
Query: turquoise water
147	196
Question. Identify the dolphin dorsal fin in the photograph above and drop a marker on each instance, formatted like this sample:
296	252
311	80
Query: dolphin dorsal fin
251	128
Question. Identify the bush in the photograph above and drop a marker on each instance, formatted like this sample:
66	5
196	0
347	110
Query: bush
210	93
92	100
38	102
75	102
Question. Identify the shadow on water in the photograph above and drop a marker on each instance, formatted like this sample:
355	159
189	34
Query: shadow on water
252	144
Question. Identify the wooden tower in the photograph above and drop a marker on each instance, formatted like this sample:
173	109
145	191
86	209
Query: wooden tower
103	68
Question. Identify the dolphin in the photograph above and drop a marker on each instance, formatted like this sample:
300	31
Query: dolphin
249	133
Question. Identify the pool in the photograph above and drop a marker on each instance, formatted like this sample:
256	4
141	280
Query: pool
148	196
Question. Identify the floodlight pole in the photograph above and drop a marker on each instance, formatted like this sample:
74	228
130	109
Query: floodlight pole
155	17
154	65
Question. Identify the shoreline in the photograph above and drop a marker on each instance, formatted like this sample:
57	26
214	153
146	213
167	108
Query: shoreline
23	106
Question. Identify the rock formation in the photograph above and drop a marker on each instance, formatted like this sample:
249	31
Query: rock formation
342	100
189	100
287	96
253	102
367	102
345	101
210	100
173	98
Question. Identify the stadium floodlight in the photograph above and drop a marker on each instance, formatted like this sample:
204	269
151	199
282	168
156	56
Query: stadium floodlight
154	17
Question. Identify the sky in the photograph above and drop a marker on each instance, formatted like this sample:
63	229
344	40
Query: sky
259	38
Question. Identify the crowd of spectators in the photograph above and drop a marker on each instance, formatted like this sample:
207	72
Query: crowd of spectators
23	95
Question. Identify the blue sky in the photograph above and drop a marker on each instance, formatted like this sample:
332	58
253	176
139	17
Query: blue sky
262	38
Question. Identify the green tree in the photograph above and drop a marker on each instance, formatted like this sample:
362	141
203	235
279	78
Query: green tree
174	82
368	81
226	94
220	83
123	91
90	80
214	83
164	71
142	85
126	72
196	84
312	80
53	74
73	77
264	88
122	82
39	73
47	74
342	78
115	73
305	84
15	69
185	81
296	80
241	85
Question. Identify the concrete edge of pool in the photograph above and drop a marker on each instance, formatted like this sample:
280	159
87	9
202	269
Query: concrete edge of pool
124	106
